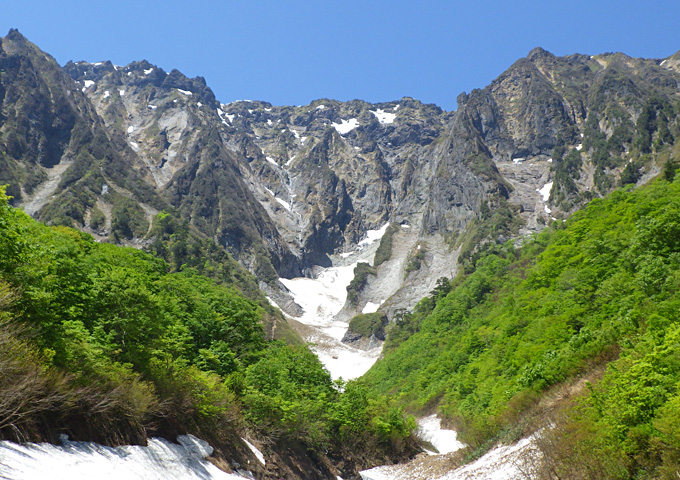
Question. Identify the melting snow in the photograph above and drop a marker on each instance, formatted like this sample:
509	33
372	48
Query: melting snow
445	441
321	299
373	235
346	126
545	191
371	307
185	92
146	72
159	460
384	117
256	451
285	204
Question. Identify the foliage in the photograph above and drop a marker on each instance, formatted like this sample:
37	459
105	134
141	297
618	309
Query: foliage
361	273
367	324
384	251
525	319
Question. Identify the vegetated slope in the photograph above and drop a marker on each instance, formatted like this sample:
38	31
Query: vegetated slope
100	342
602	289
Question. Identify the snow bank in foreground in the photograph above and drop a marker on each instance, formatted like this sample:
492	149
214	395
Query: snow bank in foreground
507	462
159	460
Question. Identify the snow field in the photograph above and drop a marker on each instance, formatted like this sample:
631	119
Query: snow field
159	460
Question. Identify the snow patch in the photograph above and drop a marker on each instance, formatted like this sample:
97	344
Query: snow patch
396	107
107	94
285	204
547	209
121	93
579	147
371	307
383	116
346	126
374	235
545	191
185	92
445	441
256	451
88	84
272	161
131	129
321	299
517	160
148	71
321	107
152	107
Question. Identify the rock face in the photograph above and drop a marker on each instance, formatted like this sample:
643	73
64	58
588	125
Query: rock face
283	189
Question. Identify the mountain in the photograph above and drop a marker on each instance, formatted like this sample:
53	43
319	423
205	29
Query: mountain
141	157
284	189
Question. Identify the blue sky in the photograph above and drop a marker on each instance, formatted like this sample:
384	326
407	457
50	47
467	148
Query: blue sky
292	52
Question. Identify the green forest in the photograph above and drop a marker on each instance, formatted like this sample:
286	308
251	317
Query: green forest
590	306
110	344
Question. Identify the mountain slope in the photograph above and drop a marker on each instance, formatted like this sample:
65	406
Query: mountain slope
500	349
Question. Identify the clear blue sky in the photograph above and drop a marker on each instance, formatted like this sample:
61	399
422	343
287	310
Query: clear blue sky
292	52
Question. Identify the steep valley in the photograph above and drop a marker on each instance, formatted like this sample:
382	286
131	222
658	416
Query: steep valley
476	255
